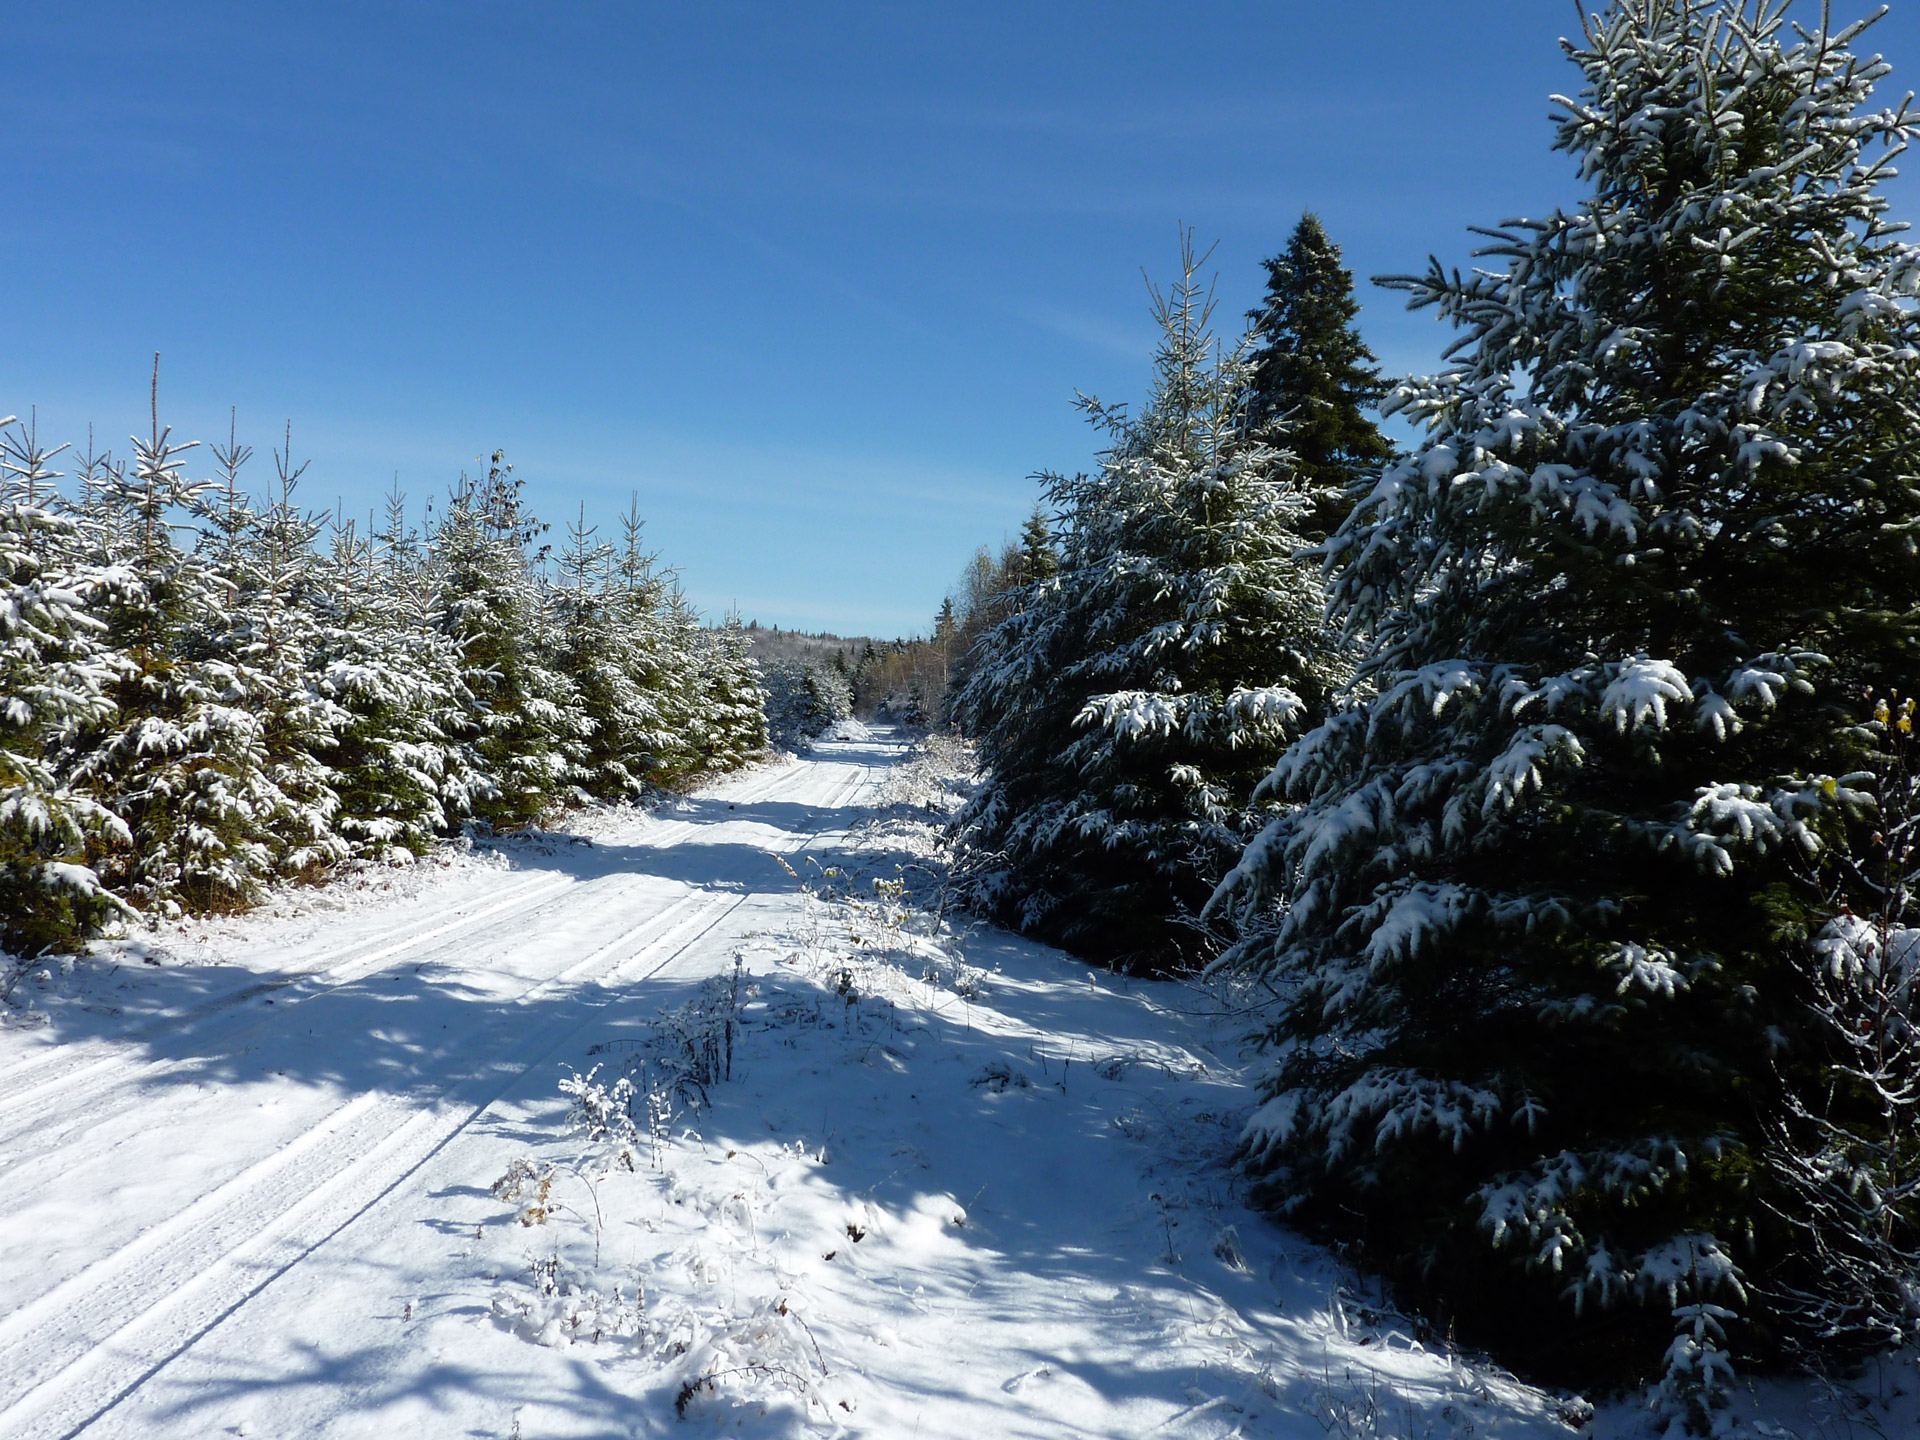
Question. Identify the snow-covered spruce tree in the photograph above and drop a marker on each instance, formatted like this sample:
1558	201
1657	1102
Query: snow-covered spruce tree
666	664
180	759
1129	702
1551	896
54	677
735	700
261	645
1038	557
487	603
402	763
665	697
594	652
687	739
1312	373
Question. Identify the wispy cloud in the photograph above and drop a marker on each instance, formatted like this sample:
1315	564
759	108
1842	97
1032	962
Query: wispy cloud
1103	333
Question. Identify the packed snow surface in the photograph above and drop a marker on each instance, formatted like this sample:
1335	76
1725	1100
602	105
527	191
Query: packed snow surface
691	1122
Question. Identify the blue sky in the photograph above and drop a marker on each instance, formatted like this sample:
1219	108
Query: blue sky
817	282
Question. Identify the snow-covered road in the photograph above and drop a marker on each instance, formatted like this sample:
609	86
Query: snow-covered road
255	1129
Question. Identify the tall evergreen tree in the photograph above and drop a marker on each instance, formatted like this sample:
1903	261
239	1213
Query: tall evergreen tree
1124	704
54	676
180	760
592	654
1312	374
1563	865
486	601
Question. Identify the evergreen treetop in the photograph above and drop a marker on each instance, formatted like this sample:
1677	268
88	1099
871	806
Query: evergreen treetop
1312	374
1039	558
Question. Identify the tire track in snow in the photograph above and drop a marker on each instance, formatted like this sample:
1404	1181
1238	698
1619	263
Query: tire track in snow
342	963
863	773
79	1077
109	1088
72	1354
35	1070
447	1046
84	1073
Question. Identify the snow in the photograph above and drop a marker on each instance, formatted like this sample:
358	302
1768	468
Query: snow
312	1173
1639	692
848	729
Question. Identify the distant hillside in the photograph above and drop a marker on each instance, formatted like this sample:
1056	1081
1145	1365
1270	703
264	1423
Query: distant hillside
895	679
771	645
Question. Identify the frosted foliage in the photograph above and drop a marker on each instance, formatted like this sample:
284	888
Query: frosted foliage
1604	759
1638	695
54	674
183	758
804	699
205	692
733	698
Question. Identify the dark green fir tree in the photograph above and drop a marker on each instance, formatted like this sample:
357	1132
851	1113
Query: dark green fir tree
1314	376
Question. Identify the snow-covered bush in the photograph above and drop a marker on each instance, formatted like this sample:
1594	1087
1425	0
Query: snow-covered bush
803	699
1843	1142
1567	863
